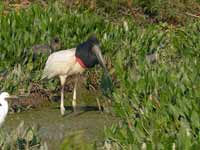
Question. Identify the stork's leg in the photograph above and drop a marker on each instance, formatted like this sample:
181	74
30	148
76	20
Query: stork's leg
62	81
74	94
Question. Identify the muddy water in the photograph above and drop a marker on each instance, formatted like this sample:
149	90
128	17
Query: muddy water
54	128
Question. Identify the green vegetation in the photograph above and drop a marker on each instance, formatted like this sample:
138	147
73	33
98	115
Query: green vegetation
158	103
21	138
76	142
34	25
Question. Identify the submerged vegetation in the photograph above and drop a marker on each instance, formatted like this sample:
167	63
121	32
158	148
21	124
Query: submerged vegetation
157	101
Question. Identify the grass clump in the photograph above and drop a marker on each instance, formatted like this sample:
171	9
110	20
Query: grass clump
21	138
159	103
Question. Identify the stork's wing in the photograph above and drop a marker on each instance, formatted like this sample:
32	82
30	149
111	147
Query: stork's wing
59	63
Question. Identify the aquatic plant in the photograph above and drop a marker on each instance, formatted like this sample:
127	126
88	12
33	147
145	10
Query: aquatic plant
21	138
159	102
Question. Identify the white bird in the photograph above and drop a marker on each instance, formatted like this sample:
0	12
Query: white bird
3	107
73	61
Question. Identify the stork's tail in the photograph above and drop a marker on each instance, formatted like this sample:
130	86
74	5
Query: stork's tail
44	75
47	74
42	78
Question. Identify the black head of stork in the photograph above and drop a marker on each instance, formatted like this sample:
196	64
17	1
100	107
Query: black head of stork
89	53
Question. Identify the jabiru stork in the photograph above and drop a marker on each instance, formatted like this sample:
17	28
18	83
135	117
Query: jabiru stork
73	61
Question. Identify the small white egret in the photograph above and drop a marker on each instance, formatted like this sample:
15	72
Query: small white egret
3	107
73	62
4	96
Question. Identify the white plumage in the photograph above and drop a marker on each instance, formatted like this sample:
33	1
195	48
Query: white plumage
3	107
62	63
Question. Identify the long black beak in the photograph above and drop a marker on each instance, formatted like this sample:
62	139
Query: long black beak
97	52
106	82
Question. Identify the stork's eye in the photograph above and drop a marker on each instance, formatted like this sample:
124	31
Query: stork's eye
0	104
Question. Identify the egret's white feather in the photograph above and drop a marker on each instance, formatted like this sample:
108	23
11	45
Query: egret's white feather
3	107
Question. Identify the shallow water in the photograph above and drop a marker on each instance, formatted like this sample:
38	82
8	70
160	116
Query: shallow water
54	127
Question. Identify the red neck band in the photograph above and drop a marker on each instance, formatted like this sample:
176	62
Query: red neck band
80	62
